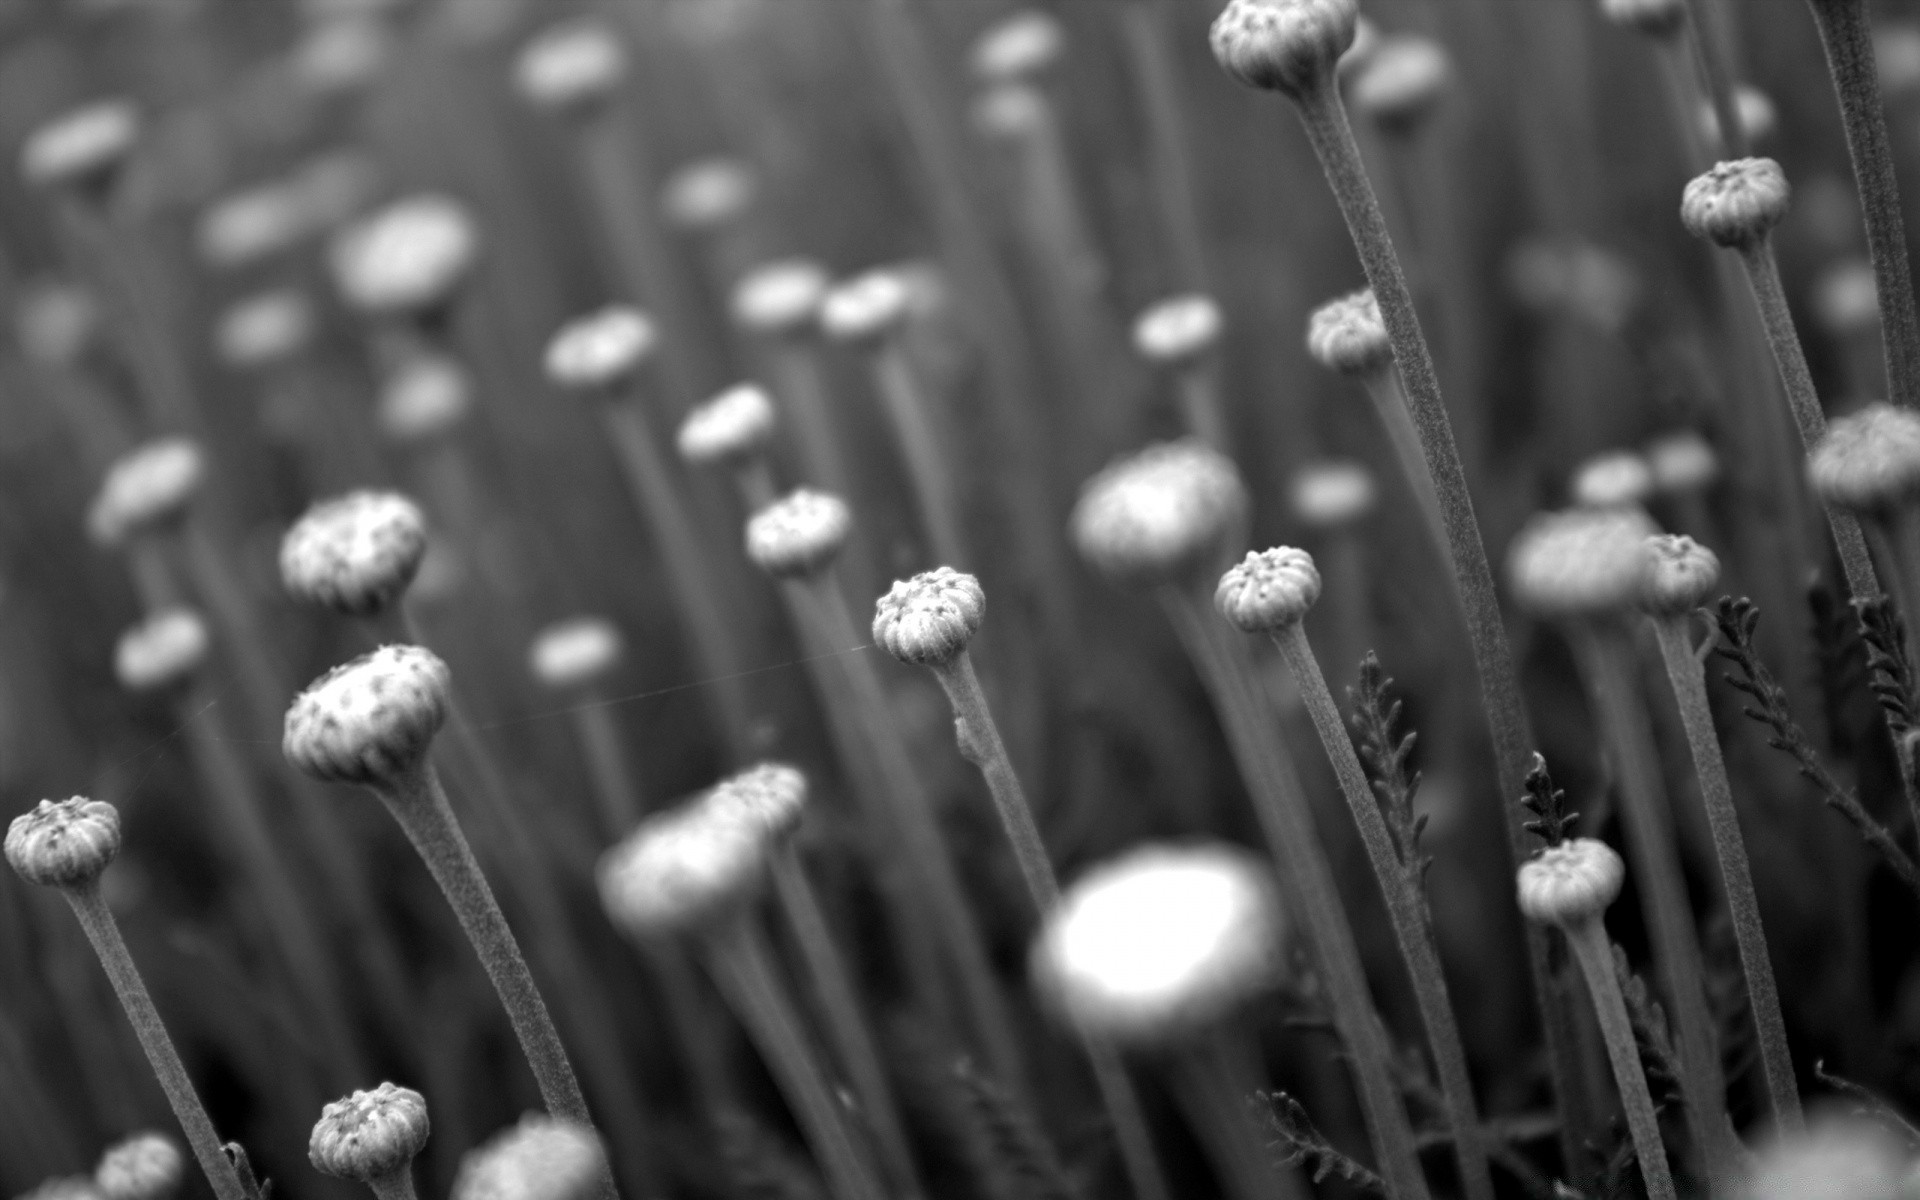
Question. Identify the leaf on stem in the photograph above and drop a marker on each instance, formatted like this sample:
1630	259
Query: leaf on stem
1375	721
1888	671
760	1165
1651	1034
1300	1144
1025	1165
1868	1105
1552	823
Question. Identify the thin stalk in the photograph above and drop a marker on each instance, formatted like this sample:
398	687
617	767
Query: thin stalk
121	263
1406	906
101	930
1684	96
613	788
1899	534
1848	39
1197	391
743	968
1213	1081
1281	805
1344	568
802	392
754	479
1156	77
1595	956
397	1185
1717	73
1689	682
929	464
1403	436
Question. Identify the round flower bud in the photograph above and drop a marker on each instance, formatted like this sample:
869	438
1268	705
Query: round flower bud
265	329
1758	118
1736	203
1283	45
146	1166
1580	563
426	398
64	843
798	534
56	322
1834	1158
1161	943
1571	882
600	349
542	1158
1162	515
1348	336
780	298
1656	18
1402	82
772	796
356	553
407	258
1681	575
1682	462
930	618
866	307
1615	479
1010	110
733	427
341	55
1327	495
1018	47
1268	590
145	488
251	225
709	194
571	66
683	870
576	652
163	650
1178	330
369	721
369	1135
83	147
1869	460
1846	298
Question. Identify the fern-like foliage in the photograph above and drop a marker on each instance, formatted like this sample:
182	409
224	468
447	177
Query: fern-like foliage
759	1164
1552	823
1889	672
1651	1034
1385	751
1728	999
1869	1105
1017	1155
1302	1145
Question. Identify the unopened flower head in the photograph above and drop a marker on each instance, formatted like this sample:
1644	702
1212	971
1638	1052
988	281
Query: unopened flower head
145	1166
930	618
1681	576
1682	463
1754	110
1162	515
772	796
571	66
782	297
1018	47
1330	494
1571	882
1736	203
866	307
709	194
251	225
798	534
265	329
1178	330
683	869
82	147
1869	460
1161	943
426	398
63	1187
369	1135
406	258
1347	335
542	1158
160	651
576	652
369	721
731	428
1656	18
356	553
1846	298
64	843
601	349
1283	45
1581	562
341	55
1402	82
146	488
1836	1157
1268	590
1615	479
1011	111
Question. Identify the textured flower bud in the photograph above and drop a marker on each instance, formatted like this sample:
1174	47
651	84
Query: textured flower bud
1681	575
146	1166
571	66
83	147
1160	516
1327	495
251	225
265	329
1402	82
780	298
163	650
930	618
1682	462
1018	47
731	428
341	54
683	869
1348	335
709	194
1161	943
1615	479
542	1158
1283	45
64	843
1656	18
1846	298
1834	1158
576	652
426	398
773	796
600	349
799	533
145	488
1755	111
356	553
1268	590
1571	882
369	1135
866	307
369	721
406	258
1178	330
1869	460
1580	563
1736	203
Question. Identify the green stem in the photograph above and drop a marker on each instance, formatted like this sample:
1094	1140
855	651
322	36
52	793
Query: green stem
1689	682
1591	949
1215	1079
1197	390
928	466
1156	76
397	1185
1390	404
801	391
613	786
1717	74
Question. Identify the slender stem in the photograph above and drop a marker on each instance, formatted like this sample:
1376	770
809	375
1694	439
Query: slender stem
1897	534
1595	955
101	929
743	968
929	466
802	393
1848	39
1282	808
1406	906
1684	97
1685	672
1156	76
395	1186
1215	1081
1197	389
613	787
1717	73
1403	436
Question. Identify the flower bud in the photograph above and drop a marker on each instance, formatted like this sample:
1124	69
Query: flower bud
709	194
1736	203
1160	516
683	870
251	225
1178	330
542	1158
161	651
1846	298
865	308
264	329
1283	45
1268	590
1571	882
146	1166
1159	944
63	843
369	1135
1581	562
1834	1158
929	619
1327	495
576	652
1010	111
601	349
1755	112
406	258
1402	83
82	148
1681	576
1682	462
1616	479
371	720
1348	336
145	488
356	553
1869	460
1018	47
1655	18
426	398
773	796
798	534
341	55
780	298
63	1187
731	428
572	66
